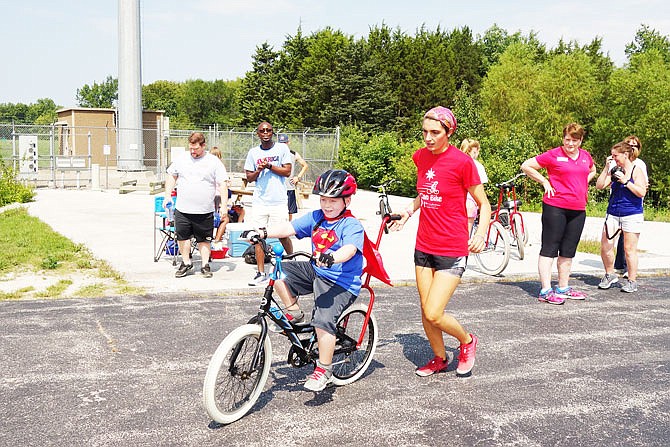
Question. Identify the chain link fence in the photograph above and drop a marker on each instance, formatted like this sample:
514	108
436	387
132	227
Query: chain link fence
70	156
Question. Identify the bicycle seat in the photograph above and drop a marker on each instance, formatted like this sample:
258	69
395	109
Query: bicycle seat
509	204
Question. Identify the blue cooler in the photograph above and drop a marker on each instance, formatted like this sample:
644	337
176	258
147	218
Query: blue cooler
236	246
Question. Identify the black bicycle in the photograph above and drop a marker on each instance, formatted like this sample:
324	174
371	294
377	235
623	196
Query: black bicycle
239	368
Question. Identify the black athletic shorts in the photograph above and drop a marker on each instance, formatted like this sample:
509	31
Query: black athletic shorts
292	202
199	226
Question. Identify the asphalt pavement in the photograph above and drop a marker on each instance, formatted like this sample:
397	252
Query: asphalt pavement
129	371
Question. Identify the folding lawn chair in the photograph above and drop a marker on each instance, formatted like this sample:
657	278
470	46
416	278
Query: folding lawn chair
165	241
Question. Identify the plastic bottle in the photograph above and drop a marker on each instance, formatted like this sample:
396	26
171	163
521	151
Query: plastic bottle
170	211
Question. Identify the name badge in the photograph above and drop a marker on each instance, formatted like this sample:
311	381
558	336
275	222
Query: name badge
561	158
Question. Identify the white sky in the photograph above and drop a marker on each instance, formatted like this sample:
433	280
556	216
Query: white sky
50	49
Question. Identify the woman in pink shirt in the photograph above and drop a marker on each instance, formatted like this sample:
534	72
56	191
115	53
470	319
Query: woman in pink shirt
569	170
445	176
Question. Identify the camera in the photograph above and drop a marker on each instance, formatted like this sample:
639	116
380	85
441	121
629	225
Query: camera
615	169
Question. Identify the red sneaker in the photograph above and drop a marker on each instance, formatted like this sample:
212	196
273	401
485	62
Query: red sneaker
466	359
437	364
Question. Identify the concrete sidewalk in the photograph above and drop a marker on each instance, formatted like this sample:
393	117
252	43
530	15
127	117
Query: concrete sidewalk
120	229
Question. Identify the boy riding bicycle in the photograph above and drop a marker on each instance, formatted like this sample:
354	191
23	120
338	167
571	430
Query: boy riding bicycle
334	276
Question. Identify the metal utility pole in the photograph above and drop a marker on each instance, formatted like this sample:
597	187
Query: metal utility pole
130	150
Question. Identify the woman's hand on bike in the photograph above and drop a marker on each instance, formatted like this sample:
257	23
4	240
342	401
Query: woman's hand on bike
397	225
477	243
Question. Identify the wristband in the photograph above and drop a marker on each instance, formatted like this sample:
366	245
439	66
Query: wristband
410	212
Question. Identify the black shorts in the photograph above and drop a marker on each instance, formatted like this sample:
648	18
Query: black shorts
330	300
199	226
453	266
561	231
292	202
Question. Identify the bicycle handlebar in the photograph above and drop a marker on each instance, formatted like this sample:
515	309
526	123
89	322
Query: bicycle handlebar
295	254
383	186
510	182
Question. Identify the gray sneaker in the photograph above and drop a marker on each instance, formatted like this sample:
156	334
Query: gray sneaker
206	271
259	279
183	270
608	280
629	287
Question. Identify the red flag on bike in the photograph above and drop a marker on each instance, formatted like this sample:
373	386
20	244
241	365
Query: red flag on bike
374	266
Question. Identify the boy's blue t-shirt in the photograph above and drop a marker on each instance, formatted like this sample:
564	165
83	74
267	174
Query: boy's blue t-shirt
329	237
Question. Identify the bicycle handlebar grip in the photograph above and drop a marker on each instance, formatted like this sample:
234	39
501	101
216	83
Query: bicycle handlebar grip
395	217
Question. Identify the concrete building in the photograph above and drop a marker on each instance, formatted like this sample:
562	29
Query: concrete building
75	125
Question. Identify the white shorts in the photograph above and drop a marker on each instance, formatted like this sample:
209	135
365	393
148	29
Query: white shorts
267	216
628	224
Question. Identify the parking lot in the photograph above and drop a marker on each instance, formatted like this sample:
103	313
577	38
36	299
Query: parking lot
129	371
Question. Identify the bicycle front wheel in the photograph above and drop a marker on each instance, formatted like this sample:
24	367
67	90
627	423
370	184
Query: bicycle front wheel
349	361
517	228
495	256
231	385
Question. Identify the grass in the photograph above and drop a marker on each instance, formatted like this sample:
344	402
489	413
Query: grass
30	245
590	246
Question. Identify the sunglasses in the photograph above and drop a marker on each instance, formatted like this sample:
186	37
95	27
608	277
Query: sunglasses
265	130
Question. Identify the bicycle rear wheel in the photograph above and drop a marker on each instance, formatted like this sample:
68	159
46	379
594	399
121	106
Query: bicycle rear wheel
517	229
231	386
495	256
350	362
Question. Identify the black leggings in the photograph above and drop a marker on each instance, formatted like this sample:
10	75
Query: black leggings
561	231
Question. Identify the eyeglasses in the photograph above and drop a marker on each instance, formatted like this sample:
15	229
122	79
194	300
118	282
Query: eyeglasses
265	130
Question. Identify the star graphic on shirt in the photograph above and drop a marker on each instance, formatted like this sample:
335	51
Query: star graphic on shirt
430	174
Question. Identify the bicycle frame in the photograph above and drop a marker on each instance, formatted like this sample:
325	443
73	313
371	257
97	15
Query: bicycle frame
507	191
292	331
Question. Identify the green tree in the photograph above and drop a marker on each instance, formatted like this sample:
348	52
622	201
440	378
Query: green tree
101	95
524	93
649	39
317	75
43	111
258	100
163	95
361	93
639	103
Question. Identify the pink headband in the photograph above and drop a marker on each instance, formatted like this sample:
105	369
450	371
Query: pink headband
443	115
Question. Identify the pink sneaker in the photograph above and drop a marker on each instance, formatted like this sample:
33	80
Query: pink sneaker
570	293
466	359
437	364
550	297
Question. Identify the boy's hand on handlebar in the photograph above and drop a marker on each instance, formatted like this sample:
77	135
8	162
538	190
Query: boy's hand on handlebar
324	260
253	236
476	243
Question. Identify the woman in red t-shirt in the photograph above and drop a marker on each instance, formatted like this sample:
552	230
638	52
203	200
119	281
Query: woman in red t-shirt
444	177
570	169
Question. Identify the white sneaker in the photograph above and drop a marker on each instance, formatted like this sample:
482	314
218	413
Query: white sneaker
259	279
